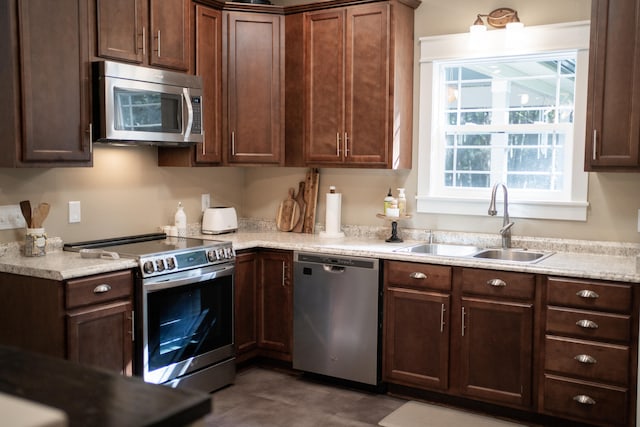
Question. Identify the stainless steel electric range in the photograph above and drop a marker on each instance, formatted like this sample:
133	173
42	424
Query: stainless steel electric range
184	308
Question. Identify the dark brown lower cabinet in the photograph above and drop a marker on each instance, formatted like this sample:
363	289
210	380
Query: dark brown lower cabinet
275	304
87	320
246	306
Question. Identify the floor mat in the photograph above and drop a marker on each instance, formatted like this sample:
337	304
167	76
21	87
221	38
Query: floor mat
417	414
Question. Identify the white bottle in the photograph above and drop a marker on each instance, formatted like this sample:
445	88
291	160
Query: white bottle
402	202
180	221
387	202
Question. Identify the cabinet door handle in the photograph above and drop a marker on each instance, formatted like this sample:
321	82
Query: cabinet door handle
143	36
346	144
233	143
284	267
587	324
133	326
158	43
418	275
497	283
101	289
586	359
337	144
463	319
204	143
595	144
584	399
587	294
442	310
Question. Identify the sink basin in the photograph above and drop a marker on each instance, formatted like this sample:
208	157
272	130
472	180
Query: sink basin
441	249
516	255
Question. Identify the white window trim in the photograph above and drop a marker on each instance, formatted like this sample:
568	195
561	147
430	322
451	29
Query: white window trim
490	44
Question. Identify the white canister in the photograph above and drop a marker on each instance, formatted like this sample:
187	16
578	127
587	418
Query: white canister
35	242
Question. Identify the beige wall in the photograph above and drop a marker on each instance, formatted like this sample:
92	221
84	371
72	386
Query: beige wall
125	192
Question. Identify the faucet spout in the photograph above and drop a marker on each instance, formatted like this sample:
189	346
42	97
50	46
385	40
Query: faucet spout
505	231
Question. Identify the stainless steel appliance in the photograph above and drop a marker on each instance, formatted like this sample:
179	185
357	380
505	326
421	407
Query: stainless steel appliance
184	306
141	105
337	317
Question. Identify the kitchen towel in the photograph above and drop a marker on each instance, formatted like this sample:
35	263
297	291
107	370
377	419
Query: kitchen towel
333	212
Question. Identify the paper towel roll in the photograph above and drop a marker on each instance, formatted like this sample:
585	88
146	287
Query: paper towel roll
333	213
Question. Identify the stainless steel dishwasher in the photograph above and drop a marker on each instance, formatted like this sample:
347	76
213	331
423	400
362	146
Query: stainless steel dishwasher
337	316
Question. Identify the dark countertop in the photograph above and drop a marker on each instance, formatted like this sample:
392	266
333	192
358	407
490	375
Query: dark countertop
92	397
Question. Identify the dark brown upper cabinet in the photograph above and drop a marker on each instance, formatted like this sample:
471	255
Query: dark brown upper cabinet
613	105
350	86
44	82
146	32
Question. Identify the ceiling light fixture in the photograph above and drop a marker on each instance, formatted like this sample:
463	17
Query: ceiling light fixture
498	18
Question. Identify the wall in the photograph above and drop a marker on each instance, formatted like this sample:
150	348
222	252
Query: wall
614	198
124	193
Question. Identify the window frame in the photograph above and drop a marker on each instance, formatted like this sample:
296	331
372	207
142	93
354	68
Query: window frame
573	36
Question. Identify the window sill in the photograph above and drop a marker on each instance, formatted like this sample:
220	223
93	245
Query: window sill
569	211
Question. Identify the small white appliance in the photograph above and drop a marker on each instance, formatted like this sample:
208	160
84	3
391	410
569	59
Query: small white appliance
219	220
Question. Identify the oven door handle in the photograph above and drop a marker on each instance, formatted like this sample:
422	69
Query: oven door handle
164	283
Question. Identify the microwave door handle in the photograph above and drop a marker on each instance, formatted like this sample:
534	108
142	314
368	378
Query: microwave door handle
187	98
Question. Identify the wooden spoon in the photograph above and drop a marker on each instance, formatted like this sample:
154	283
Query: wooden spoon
25	207
43	211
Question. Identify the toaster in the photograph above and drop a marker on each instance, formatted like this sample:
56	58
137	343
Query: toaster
219	220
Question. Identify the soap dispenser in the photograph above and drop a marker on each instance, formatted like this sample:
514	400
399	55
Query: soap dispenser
180	221
402	202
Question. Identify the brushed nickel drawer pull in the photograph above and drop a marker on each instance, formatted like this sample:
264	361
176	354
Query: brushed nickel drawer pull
587	294
418	275
584	399
586	359
442	310
587	324
497	283
101	289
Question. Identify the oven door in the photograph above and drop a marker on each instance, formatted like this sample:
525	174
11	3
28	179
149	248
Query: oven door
187	322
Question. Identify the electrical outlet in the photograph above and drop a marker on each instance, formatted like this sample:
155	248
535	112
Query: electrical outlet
11	217
205	199
74	212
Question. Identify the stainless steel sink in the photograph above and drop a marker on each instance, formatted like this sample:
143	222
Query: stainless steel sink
441	249
515	255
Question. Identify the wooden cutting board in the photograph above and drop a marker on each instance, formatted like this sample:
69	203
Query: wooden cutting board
303	207
288	213
311	199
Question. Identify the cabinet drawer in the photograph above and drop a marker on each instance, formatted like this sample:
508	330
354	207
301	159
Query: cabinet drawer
588	324
98	289
606	405
498	283
416	275
588	294
587	359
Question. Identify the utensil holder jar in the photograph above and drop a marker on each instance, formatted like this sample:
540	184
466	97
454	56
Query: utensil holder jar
35	242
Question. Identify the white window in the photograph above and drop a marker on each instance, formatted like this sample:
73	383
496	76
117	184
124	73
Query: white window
503	107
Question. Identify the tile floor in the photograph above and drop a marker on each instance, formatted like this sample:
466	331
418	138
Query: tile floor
264	397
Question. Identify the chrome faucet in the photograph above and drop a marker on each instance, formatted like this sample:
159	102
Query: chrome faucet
505	231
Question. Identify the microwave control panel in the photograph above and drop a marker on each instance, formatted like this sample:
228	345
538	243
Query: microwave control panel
196	103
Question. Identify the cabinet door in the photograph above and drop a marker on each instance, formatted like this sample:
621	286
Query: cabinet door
276	304
101	336
254	83
55	81
613	106
170	28
246	303
209	66
324	70
496	351
367	85
121	29
416	342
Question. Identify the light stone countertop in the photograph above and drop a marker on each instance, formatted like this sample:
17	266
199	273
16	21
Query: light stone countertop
596	260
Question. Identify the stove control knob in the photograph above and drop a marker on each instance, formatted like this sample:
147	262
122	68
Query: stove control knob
160	265
148	267
228	253
171	263
211	255
219	253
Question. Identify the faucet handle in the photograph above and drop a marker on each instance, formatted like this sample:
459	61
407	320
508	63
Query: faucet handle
507	227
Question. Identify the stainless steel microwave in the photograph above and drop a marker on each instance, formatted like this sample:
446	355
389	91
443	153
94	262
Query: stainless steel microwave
141	105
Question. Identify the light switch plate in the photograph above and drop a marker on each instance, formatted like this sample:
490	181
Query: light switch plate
11	217
74	212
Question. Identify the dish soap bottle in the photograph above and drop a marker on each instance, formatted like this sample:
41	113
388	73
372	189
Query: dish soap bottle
387	202
402	202
180	221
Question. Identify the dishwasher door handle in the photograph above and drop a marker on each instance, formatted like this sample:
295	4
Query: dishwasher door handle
333	268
